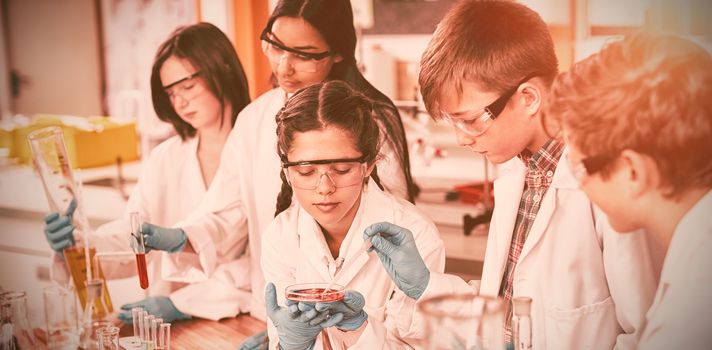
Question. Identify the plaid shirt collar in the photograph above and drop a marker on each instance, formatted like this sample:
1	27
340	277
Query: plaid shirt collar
542	164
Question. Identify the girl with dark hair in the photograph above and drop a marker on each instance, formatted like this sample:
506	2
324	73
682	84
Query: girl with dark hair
328	144
306	42
198	85
326	26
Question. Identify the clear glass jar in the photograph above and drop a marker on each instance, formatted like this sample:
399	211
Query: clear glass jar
108	338
463	321
16	331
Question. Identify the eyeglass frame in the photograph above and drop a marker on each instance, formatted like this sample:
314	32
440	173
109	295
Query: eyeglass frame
286	164
590	165
175	83
309	55
491	111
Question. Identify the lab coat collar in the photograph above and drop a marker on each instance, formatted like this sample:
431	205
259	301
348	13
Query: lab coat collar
563	180
508	193
374	207
690	232
191	149
563	176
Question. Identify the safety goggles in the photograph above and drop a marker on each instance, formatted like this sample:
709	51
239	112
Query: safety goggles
187	88
478	122
589	165
301	61
342	172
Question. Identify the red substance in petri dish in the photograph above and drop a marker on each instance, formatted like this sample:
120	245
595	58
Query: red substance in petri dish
142	272
315	295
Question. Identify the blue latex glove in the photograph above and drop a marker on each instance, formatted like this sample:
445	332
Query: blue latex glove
297	324
171	240
351	307
161	307
396	248
59	230
259	341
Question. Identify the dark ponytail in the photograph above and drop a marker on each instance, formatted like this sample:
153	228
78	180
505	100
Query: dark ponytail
284	199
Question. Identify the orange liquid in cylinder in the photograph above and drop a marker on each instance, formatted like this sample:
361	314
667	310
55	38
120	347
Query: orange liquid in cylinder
76	263
142	271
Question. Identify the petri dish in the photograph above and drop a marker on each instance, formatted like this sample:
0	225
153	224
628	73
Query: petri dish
314	292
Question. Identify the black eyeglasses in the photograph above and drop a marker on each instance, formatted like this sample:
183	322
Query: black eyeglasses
590	165
478	122
187	88
342	172
287	164
265	36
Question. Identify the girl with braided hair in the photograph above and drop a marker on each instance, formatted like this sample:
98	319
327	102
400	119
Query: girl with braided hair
328	144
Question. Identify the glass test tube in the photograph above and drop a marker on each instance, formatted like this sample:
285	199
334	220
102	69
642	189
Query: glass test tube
155	323
141	334
164	337
147	327
522	323
139	248
137	318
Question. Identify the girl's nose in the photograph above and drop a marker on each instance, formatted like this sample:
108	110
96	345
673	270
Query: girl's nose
325	185
178	101
284	67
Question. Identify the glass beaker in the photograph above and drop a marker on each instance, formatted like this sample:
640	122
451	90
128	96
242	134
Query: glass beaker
463	321
49	156
522	323
108	338
60	305
16	330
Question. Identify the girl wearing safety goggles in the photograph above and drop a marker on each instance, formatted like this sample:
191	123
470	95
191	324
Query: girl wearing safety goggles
328	142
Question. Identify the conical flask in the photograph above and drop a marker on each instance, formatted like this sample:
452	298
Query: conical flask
94	318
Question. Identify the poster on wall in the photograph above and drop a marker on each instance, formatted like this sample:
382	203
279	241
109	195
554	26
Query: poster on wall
132	32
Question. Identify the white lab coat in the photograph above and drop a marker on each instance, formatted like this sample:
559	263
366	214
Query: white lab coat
590	285
243	198
681	314
294	251
170	187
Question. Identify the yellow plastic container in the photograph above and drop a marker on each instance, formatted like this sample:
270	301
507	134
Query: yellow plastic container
95	141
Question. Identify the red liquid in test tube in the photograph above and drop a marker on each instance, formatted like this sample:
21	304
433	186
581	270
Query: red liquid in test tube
142	271
139	248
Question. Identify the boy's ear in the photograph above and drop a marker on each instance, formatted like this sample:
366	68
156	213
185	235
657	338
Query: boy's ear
533	96
640	171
